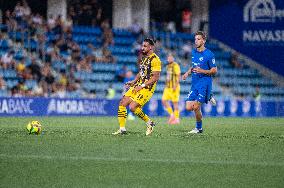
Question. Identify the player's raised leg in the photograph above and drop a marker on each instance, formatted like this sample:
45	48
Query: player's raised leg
137	110
212	100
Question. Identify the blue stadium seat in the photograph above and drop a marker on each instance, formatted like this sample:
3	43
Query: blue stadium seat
185	36
222	55
4	45
58	65
122	33
87	30
239	80
4	93
124	41
212	46
73	94
121	50
126	59
30	44
30	84
104	67
7	74
3	27
16	35
11	83
81	75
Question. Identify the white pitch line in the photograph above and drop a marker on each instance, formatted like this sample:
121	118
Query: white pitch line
115	159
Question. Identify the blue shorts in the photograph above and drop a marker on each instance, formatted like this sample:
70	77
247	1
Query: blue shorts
200	93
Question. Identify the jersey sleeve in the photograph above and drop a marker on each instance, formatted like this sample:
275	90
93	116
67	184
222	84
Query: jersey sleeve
211	60
177	69
156	65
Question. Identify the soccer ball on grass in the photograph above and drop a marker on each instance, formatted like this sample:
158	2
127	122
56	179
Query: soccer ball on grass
34	127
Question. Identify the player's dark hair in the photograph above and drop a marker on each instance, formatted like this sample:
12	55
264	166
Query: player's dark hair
150	41
202	34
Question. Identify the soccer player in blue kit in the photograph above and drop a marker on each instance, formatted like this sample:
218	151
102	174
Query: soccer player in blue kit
202	70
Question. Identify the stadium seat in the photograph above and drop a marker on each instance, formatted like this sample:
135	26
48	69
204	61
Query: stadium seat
103	74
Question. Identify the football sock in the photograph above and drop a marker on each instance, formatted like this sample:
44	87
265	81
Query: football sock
138	112
199	125
121	115
176	112
169	110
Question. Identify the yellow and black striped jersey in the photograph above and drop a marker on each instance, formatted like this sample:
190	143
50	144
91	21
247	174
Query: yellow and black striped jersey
147	66
173	73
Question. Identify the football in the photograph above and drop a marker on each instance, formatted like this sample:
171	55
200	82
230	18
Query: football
34	127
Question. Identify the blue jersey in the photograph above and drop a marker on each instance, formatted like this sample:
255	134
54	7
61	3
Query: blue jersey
201	83
205	60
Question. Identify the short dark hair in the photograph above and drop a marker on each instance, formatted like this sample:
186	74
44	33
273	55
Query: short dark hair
150	41
202	34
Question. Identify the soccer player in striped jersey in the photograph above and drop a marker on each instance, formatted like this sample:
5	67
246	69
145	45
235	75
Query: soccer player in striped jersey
141	88
172	90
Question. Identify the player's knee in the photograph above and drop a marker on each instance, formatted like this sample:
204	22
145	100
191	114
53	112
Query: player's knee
175	104
189	107
123	102
132	108
195	107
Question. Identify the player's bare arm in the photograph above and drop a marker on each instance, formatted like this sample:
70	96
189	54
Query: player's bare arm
210	72
186	74
154	78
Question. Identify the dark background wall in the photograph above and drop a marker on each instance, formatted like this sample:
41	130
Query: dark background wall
261	39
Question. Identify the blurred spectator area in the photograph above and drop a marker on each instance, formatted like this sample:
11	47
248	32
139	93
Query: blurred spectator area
50	57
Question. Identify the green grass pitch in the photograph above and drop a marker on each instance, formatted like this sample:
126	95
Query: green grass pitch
81	152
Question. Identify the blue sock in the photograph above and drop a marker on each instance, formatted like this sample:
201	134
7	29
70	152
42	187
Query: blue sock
199	125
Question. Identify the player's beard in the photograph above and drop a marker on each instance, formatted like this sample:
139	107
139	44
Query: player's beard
144	53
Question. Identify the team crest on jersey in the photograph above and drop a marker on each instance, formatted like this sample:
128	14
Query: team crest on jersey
201	59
